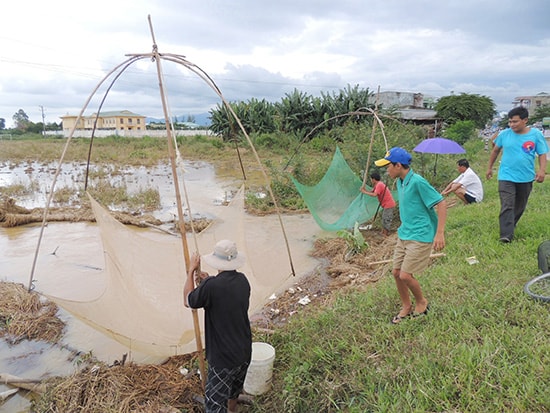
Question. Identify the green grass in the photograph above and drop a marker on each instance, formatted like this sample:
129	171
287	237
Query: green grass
484	346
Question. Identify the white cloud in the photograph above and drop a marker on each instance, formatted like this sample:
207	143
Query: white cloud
53	54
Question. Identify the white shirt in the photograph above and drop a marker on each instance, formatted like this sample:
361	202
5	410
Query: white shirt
471	182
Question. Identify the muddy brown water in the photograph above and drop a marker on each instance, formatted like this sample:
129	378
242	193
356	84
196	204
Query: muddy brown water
71	254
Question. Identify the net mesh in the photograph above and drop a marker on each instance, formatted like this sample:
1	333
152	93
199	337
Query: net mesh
142	304
336	201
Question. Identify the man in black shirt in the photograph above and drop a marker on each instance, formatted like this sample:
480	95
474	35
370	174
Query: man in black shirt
225	299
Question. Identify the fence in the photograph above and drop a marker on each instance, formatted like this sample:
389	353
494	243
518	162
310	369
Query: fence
101	133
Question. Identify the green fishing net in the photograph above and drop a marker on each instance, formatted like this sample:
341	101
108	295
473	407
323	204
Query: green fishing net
335	201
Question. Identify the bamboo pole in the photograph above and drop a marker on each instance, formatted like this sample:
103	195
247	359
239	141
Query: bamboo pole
181	221
437	255
371	140
35	386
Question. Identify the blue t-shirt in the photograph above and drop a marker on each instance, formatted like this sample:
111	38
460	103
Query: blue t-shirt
519	153
417	199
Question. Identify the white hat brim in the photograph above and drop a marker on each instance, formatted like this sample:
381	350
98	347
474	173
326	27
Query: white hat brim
224	265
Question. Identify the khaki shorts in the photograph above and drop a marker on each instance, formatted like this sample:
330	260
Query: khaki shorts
411	257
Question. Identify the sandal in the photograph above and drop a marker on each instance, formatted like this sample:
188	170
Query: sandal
398	318
423	313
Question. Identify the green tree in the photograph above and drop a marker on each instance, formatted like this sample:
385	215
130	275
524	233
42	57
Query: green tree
35	127
2	123
454	108
461	131
220	123
21	120
256	116
296	111
540	112
53	126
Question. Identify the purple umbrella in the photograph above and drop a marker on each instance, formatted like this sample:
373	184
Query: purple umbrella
439	146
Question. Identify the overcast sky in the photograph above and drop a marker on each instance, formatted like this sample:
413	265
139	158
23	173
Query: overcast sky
53	54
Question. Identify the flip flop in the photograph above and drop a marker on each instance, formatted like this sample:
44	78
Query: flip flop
398	318
423	313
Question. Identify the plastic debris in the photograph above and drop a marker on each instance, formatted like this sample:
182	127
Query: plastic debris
472	260
304	300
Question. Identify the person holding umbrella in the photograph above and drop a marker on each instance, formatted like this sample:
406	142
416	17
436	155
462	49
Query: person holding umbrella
467	186
421	229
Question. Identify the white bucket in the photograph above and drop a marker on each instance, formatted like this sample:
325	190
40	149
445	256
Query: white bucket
258	376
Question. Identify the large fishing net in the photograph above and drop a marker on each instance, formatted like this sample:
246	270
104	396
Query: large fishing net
142	303
336	201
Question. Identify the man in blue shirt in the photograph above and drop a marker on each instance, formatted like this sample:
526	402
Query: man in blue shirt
520	145
421	229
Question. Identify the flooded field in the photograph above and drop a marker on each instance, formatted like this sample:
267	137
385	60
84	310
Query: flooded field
200	179
71	256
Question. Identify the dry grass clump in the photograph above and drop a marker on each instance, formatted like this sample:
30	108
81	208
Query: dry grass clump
24	316
367	266
125	389
12	215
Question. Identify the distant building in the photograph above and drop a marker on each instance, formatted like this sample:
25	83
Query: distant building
411	106
123	120
399	99
531	103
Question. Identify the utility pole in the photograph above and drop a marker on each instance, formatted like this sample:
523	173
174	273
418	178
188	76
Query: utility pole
43	121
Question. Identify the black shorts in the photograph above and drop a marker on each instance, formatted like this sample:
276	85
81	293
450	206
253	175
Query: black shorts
222	385
469	198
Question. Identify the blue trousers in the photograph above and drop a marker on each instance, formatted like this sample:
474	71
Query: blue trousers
513	200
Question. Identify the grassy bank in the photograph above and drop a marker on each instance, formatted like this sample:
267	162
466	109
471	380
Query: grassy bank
484	346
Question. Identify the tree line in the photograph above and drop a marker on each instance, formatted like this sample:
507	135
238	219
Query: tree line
24	125
299	113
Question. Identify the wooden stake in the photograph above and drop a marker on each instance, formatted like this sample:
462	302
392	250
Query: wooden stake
439	254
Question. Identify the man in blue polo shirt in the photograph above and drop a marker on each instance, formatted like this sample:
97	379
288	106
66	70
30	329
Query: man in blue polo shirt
520	146
421	229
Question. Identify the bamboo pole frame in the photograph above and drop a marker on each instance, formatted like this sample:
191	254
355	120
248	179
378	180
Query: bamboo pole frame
117	71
